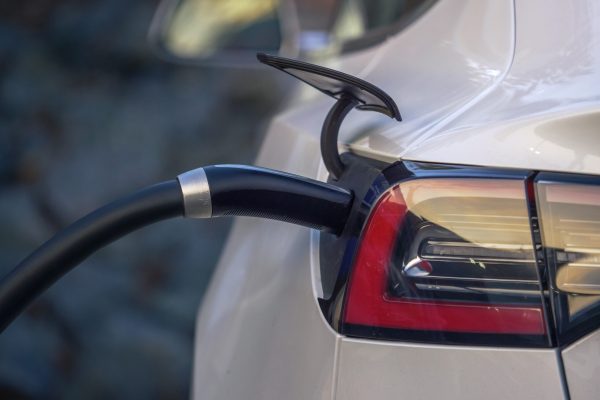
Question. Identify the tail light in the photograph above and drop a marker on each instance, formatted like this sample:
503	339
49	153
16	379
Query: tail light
455	255
569	208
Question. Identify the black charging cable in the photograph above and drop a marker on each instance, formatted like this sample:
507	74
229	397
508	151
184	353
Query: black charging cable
221	190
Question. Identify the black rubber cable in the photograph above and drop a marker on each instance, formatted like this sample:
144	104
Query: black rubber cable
72	245
226	190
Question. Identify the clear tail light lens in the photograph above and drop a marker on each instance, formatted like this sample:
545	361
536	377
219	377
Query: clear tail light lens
448	260
569	211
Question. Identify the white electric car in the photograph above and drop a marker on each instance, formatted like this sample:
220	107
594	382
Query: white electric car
471	269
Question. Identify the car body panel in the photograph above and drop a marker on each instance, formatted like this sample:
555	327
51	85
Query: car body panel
469	93
384	370
543	114
582	367
260	333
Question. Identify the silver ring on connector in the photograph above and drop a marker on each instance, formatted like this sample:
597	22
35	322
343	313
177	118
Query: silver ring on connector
196	194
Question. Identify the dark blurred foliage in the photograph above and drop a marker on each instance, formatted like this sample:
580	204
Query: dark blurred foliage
88	113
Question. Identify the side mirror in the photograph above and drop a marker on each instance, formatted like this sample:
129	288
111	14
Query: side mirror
230	32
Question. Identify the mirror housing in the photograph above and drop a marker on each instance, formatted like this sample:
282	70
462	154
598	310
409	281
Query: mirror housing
230	32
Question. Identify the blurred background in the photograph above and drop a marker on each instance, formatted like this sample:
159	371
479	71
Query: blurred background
88	113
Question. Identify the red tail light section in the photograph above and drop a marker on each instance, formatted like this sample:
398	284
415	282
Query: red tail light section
372	302
468	255
451	260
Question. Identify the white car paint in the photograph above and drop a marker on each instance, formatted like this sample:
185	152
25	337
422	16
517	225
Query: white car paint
384	370
542	115
483	83
582	367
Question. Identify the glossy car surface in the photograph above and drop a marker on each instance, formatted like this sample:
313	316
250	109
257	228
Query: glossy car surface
501	84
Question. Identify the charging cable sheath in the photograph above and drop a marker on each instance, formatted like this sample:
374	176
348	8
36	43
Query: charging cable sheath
238	190
227	190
